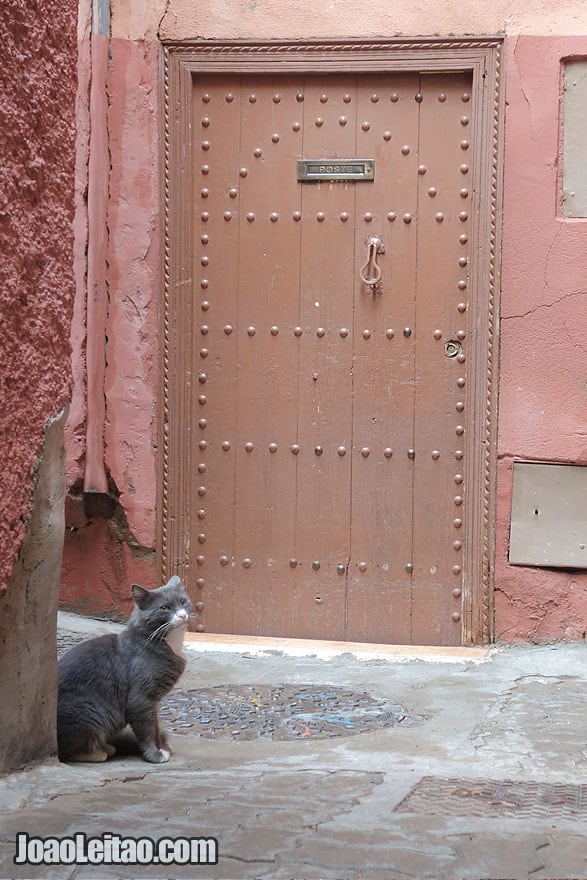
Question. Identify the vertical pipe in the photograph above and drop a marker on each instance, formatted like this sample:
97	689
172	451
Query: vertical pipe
95	479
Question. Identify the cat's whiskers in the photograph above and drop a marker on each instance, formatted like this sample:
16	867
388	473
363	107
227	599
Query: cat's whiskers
164	628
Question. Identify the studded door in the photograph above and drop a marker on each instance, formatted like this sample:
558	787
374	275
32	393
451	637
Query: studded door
329	415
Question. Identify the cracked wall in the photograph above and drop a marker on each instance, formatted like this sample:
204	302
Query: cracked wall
543	380
543	384
101	560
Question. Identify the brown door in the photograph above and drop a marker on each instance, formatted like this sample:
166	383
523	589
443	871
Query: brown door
329	419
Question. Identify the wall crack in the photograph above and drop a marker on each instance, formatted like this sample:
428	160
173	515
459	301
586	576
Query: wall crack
549	305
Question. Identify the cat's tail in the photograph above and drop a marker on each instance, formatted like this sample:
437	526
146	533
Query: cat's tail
125	742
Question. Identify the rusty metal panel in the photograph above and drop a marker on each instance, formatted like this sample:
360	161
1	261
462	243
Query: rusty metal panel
549	515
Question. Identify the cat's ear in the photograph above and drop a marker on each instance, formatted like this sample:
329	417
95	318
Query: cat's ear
140	595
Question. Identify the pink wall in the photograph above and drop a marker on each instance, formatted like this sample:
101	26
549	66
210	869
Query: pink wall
37	137
102	556
37	91
544	320
543	330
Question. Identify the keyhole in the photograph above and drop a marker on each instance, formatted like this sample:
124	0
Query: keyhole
452	348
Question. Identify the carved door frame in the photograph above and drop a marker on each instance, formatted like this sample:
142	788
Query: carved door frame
479	56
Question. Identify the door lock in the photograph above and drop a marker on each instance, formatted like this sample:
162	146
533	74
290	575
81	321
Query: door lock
452	348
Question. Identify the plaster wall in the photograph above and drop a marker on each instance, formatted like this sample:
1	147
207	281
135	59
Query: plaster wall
543	381
37	136
110	540
274	19
542	385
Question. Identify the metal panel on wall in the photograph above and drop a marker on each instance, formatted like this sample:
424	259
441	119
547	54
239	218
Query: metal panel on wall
549	515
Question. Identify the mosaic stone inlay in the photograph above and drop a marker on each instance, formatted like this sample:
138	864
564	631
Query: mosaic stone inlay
279	712
495	798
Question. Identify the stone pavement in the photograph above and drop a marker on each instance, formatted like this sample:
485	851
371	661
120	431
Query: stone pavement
312	763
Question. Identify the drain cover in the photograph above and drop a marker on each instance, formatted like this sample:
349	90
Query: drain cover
279	712
490	797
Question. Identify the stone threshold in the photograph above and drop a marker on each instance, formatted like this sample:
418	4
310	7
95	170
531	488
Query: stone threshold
327	650
267	645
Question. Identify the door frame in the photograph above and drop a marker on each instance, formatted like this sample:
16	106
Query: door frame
181	62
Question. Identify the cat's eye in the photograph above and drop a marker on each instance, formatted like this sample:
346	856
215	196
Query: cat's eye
165	608
184	602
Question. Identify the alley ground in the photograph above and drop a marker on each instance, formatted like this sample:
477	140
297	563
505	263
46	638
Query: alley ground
306	762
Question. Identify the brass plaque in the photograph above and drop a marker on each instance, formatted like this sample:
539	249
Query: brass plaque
336	169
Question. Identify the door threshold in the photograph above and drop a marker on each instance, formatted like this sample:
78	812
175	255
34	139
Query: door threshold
327	650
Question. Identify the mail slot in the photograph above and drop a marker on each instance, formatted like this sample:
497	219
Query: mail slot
549	515
336	169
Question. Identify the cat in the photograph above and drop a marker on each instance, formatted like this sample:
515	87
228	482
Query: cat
113	681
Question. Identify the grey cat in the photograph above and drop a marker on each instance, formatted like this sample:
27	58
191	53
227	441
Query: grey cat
113	681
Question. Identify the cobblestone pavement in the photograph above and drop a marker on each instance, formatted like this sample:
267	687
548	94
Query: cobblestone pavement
468	765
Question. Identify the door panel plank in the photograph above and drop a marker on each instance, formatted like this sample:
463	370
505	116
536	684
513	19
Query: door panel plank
379	606
439	405
325	363
267	361
215	273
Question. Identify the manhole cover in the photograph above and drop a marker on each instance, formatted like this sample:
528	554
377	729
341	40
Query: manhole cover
491	797
279	712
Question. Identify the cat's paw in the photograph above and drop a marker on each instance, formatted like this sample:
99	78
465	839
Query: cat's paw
156	756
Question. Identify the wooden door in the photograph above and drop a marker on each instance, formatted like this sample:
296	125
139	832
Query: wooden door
327	477
327	447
